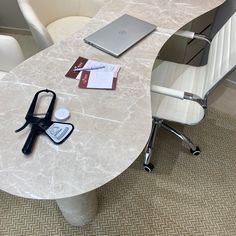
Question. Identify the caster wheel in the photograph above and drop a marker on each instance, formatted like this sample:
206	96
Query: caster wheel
195	152
148	167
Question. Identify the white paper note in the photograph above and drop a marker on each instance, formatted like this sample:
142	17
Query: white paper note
100	79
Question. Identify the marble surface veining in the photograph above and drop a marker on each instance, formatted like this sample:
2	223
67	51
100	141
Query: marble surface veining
111	127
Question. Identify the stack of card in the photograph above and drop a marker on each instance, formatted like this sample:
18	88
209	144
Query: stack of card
94	74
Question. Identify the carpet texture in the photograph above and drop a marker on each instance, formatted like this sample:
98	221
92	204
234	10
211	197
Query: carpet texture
184	195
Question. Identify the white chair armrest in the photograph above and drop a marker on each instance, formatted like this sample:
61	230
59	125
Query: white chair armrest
192	35
179	94
185	33
167	91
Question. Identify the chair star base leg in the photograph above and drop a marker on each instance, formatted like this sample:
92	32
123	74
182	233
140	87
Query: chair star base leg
149	146
195	150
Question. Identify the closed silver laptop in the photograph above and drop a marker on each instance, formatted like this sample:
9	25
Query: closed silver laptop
118	36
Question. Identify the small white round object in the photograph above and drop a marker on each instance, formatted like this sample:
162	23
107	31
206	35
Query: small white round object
62	114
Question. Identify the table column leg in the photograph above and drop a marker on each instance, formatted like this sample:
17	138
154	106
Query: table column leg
79	210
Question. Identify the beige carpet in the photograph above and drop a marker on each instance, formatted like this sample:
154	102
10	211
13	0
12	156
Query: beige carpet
184	195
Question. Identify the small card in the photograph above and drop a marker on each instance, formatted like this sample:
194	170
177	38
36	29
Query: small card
97	80
94	74
80	62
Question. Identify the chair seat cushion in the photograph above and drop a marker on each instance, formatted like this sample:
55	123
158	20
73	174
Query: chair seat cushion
181	77
66	26
2	74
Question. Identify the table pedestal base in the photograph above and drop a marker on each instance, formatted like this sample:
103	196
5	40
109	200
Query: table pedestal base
79	210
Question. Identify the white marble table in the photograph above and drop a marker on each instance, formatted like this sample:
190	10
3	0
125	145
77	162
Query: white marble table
111	127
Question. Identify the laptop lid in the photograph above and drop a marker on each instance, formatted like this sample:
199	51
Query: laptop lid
118	36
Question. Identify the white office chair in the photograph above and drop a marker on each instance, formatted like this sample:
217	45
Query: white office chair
179	92
52	20
10	54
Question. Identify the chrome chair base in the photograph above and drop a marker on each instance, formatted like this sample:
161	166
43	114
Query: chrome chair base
156	123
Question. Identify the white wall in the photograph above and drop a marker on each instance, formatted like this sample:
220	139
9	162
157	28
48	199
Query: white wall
10	15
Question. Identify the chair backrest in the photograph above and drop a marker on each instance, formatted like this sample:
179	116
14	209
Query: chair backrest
39	13
36	14
48	11
10	53
222	54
